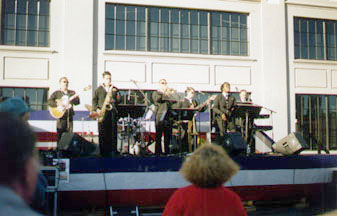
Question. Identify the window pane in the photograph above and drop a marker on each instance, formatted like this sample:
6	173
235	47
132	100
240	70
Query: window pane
109	42
130	28
31	96
19	92
43	39
42	98
7	92
21	22
332	122
109	11
44	7
109	26
141	43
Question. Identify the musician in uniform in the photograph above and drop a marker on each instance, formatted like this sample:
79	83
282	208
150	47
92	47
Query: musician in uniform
223	107
61	98
188	129
163	122
107	128
244	96
245	100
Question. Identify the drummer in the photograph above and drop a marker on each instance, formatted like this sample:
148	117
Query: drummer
188	128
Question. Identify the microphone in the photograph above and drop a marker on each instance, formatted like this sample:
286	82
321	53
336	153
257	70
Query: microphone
129	96
200	92
131	80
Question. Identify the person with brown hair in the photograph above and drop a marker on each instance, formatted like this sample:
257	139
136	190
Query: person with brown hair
208	168
18	166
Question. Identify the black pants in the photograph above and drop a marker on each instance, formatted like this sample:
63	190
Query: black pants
62	126
107	130
166	127
224	125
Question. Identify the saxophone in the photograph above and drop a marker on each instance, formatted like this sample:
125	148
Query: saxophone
106	105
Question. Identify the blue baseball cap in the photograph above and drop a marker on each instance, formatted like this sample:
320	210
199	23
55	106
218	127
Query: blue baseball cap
15	105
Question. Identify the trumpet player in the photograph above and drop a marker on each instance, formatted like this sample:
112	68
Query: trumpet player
163	122
223	107
105	101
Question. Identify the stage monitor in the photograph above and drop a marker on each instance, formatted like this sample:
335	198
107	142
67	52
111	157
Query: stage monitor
233	143
291	144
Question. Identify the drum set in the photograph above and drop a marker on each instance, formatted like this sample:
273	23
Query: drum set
133	122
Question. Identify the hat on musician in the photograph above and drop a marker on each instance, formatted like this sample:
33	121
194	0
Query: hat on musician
15	105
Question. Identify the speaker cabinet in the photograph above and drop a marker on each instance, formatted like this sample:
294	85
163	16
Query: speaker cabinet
73	145
233	143
291	144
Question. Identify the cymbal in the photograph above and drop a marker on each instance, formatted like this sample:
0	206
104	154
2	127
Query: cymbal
89	107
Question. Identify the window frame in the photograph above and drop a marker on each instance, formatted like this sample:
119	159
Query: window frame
204	43
31	36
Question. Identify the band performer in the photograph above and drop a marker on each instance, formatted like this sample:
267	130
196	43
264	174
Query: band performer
105	101
223	107
163	122
189	128
61	98
244	96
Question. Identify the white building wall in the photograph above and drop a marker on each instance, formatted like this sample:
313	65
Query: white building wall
274	92
309	76
269	71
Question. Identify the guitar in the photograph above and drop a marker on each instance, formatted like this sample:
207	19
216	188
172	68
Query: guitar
63	104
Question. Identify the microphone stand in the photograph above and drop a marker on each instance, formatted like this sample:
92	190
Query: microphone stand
147	102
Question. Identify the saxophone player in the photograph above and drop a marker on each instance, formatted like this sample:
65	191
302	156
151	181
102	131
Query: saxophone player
105	101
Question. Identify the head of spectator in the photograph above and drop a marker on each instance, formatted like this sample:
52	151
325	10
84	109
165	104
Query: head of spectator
17	161
16	107
209	167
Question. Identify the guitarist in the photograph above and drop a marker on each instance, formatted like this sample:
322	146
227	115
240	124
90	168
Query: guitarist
223	107
107	128
65	123
188	128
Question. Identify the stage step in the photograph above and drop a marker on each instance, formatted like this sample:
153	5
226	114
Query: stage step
263	116
263	127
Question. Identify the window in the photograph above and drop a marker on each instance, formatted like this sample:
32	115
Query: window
315	39
25	23
316	117
36	98
175	30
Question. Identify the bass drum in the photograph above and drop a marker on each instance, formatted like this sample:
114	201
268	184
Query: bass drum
127	145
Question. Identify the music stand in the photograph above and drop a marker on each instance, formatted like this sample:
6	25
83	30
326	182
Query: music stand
246	110
130	111
181	114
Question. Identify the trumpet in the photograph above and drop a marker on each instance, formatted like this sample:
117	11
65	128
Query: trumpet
169	91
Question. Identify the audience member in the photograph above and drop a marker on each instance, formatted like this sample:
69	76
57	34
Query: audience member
18	166
18	108
208	168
